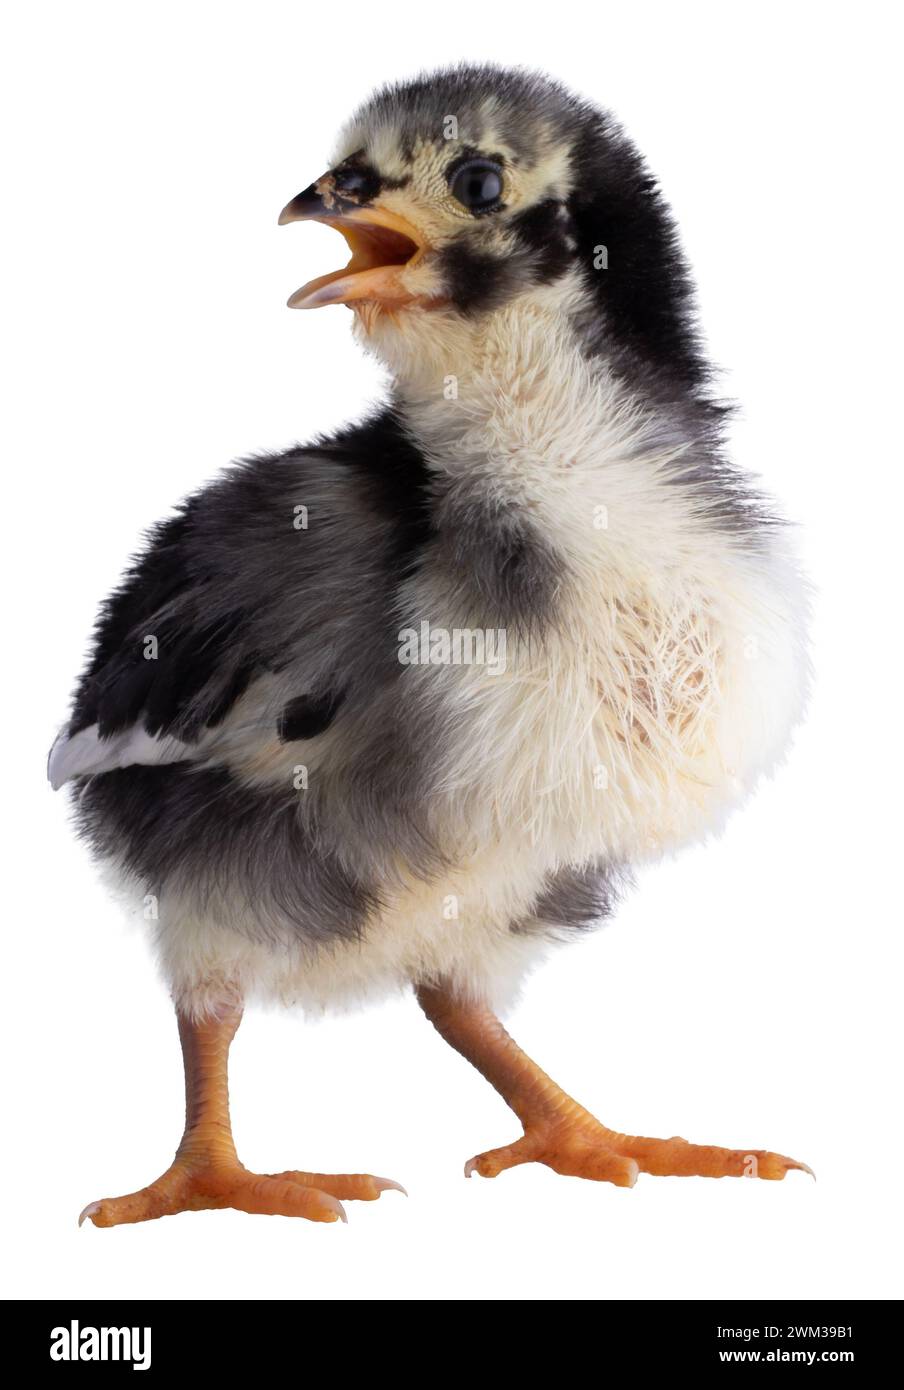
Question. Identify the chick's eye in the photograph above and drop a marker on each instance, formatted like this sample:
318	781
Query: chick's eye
477	185
351	180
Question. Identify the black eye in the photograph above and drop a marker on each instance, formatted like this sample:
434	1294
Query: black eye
477	185
351	180
359	182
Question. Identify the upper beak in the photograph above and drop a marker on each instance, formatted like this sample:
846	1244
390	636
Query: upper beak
382	244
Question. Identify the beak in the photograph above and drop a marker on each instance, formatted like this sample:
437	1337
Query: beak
382	244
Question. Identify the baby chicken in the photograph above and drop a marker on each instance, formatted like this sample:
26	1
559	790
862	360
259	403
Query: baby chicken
404	706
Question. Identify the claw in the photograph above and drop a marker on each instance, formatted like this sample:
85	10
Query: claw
632	1172
794	1165
89	1210
390	1185
803	1167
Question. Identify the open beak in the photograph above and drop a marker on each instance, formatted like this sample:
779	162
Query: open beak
382	244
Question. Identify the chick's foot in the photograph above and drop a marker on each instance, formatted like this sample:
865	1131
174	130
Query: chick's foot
557	1130
206	1173
189	1187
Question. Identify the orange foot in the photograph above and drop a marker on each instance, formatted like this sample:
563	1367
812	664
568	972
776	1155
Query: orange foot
186	1187
558	1131
581	1147
206	1173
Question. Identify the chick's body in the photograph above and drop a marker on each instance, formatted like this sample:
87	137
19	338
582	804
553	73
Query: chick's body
407	705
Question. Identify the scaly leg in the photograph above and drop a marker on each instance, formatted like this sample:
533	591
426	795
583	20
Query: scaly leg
206	1171
561	1133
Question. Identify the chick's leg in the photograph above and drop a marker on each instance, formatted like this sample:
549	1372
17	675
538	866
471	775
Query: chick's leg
561	1133
206	1171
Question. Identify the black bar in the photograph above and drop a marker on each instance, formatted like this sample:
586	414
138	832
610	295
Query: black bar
65	1338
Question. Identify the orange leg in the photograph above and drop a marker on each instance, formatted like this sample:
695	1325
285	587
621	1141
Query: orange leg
561	1133
206	1171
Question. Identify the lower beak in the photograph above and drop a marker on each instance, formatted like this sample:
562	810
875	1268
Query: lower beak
383	246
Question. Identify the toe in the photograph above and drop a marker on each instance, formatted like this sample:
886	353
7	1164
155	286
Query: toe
564	1153
161	1198
495	1161
280	1196
348	1187
598	1164
678	1158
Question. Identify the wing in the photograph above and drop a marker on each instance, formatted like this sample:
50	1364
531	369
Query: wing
233	597
169	661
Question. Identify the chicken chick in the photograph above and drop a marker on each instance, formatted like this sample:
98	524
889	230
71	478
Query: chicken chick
405	706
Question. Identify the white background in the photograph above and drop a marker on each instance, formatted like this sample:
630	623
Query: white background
748	994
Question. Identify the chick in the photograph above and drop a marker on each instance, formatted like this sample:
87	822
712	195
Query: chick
406	705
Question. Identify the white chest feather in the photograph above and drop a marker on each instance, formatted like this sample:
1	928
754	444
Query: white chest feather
677	666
